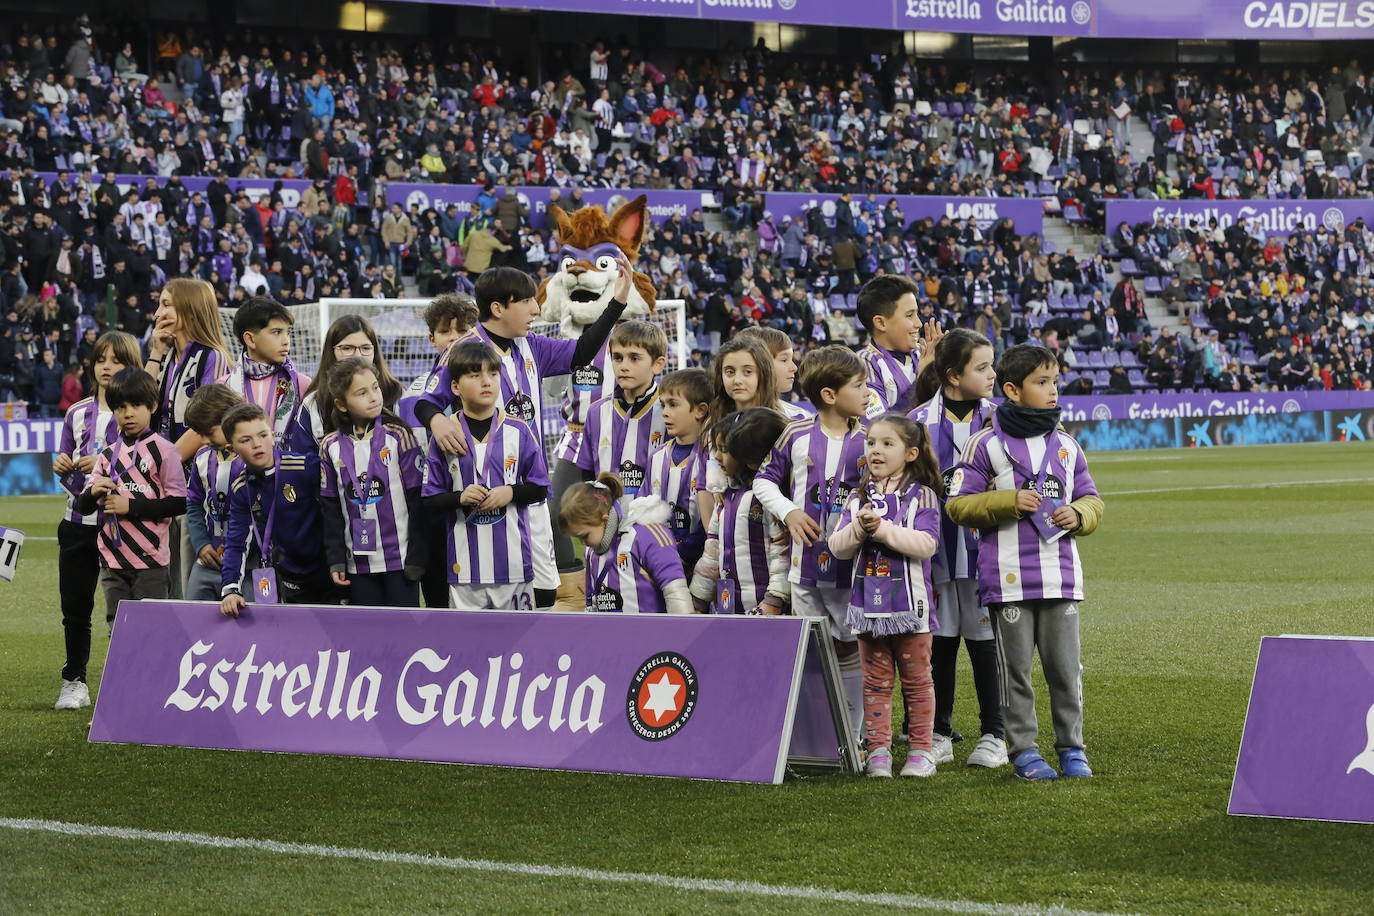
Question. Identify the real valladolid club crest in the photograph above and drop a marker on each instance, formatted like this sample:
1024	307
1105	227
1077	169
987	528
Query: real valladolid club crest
662	696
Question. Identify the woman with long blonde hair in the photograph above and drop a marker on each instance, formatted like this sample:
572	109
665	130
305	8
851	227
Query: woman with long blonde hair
186	350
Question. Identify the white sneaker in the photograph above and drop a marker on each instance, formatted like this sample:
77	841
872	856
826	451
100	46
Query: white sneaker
880	763
919	763
991	752
74	695
941	748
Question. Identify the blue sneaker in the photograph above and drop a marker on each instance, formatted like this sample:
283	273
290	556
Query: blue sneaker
1030	766
1074	763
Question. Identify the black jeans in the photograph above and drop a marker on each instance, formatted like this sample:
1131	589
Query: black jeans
78	571
388	589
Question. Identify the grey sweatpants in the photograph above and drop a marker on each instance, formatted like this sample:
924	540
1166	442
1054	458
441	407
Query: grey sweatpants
1050	626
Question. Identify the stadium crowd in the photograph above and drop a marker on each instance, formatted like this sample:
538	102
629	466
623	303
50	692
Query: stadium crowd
80	255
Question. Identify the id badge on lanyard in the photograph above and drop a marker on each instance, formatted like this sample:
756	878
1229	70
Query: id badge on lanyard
727	597
364	529
1042	518
264	578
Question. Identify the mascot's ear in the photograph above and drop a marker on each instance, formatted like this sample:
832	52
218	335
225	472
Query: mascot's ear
628	225
562	228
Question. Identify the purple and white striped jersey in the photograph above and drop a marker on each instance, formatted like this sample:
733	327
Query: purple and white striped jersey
492	547
181	377
916	508
529	361
588	385
743	545
369	478
811	470
86	430
1014	562
630	577
620	439
797	410
890	374
675	482
207	485
958	556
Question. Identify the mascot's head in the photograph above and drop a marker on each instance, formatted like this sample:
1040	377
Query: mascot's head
587	264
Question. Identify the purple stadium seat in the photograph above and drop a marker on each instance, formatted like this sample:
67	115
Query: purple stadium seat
1129	269
1111	358
942	108
1094	358
1152	286
1136	376
1070	301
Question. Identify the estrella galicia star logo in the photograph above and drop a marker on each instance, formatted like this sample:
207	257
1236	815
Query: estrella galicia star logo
1350	429
662	696
1201	435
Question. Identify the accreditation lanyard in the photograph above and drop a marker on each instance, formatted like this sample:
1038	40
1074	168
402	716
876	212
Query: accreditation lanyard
362	485
109	520
820	444
1044	461
264	535
467	464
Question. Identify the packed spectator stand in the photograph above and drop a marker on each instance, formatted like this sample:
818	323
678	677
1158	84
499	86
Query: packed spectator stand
354	115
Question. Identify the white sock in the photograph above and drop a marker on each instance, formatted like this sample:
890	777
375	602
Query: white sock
852	680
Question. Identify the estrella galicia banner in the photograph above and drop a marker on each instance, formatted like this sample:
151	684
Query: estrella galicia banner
706	697
1316	692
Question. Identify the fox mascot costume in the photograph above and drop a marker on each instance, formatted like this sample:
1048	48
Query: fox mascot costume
574	297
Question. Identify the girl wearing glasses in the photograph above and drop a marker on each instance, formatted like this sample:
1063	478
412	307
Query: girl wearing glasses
348	337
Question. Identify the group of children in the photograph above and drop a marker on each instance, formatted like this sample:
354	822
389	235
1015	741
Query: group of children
901	506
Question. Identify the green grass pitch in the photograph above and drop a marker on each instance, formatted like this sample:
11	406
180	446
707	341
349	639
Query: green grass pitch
1182	584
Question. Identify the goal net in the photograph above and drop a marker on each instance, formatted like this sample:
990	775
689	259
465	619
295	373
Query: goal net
404	340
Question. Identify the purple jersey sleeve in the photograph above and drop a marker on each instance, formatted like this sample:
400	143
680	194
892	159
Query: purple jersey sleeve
412	464
195	484
974	471
73	481
437	477
658	555
778	464
553	355
927	519
237	533
847	515
532	459
1083	484
213	368
591	435
329	474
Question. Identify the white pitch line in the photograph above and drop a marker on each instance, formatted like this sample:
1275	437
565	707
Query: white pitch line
713	885
1241	486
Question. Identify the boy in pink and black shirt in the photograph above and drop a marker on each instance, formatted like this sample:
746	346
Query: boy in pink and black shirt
137	486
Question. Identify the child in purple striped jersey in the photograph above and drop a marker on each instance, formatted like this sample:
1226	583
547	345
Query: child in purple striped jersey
88	427
211	473
626	428
892	525
1024	484
743	569
673	469
370	474
633	565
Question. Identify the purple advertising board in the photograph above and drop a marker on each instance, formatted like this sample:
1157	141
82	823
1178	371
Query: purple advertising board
1256	19
1275	217
706	697
1027	213
1209	404
1315	693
